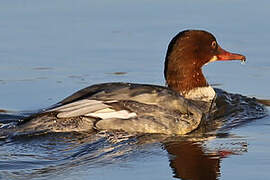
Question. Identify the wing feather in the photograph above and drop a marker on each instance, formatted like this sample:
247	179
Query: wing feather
76	105
82	111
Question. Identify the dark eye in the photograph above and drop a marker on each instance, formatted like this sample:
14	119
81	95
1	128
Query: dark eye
214	44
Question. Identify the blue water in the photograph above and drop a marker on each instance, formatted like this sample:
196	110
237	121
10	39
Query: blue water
50	49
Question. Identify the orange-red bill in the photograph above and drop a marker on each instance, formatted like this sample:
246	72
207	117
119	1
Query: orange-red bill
225	55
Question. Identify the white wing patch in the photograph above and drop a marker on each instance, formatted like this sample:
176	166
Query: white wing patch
91	108
123	114
82	110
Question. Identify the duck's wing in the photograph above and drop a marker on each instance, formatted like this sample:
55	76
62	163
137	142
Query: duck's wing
143	93
131	108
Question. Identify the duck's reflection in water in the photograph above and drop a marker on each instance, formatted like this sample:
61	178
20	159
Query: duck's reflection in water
191	160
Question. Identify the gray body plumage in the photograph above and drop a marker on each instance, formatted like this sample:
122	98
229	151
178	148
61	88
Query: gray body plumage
135	108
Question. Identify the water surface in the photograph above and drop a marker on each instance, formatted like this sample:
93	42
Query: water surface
50	49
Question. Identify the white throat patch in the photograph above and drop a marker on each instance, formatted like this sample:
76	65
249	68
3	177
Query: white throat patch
206	94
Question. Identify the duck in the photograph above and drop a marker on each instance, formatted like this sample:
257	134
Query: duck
177	108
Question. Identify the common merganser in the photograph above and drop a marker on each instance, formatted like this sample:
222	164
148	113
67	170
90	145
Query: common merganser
178	108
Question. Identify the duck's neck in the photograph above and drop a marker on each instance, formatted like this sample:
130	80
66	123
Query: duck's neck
189	82
185	79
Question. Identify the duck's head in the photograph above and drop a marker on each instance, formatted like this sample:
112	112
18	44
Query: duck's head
187	52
